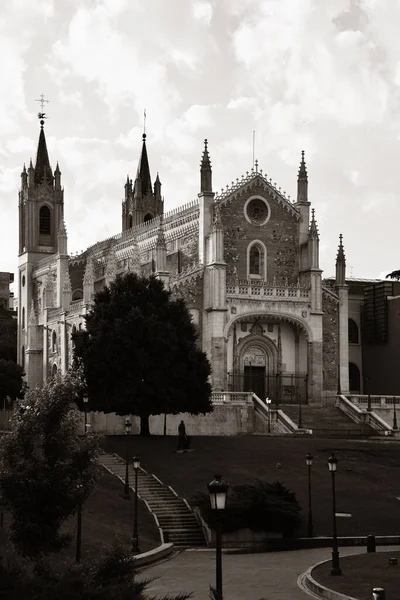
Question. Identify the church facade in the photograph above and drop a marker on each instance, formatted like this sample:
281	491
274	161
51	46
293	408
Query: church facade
245	260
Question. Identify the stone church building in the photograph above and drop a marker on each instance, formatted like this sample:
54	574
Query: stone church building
245	260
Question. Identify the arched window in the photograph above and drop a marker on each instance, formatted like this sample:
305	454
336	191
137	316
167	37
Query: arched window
147	217
77	295
54	342
353	332
73	329
44	221
130	222
23	318
256	261
54	370
23	357
354	378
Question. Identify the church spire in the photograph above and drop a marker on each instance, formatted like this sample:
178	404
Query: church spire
302	181
42	167
143	172
205	170
313	231
340	264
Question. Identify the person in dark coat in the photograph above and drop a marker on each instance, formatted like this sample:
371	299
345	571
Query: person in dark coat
182	437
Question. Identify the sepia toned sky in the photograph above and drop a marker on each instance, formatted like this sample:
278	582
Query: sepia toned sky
304	74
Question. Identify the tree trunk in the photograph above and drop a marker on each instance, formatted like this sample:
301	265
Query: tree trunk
144	425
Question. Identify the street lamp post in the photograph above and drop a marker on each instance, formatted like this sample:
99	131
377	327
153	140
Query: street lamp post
218	490
128	426
394	413
135	536
310	528
335	570
268	403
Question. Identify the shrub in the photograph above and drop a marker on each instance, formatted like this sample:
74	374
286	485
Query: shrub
259	506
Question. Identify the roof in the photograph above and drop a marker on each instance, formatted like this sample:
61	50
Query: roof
42	167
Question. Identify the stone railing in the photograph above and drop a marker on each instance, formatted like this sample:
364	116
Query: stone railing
231	397
375	401
267	290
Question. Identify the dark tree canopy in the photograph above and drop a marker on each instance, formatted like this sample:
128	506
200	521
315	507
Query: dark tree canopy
11	382
47	468
8	335
393	275
139	352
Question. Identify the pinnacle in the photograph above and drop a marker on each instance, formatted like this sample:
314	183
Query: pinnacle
302	169
205	159
313	231
340	255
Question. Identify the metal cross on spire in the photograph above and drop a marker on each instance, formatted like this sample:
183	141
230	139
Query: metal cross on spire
42	100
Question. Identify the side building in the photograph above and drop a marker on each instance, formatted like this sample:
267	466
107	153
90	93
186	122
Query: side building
245	260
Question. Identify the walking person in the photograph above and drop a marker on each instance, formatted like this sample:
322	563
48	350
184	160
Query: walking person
182	436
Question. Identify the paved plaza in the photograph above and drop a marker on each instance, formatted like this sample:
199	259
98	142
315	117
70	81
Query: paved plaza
271	576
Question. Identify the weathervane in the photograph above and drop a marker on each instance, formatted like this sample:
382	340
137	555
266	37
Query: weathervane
42	114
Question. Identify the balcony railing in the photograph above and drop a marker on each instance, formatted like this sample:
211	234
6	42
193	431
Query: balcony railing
267	290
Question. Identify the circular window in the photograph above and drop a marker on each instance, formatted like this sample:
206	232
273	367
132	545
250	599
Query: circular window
23	280
257	211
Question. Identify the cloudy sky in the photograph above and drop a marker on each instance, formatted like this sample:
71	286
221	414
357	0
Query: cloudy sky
323	76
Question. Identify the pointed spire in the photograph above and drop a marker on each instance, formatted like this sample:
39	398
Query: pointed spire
302	181
157	187
340	264
143	171
313	231
205	170
340	255
42	167
62	239
303	169
24	178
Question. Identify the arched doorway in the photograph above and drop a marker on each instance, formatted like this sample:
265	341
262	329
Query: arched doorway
354	378
254	370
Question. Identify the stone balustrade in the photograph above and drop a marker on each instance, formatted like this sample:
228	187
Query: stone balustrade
266	290
376	401
231	398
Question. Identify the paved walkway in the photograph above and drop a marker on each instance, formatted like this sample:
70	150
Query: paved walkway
271	576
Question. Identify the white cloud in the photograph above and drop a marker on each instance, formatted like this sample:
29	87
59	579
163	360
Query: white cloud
203	11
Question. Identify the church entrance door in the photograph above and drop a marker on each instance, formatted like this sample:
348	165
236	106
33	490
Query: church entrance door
254	380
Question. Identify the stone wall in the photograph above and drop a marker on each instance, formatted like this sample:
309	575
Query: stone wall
330	308
279	234
191	290
224	420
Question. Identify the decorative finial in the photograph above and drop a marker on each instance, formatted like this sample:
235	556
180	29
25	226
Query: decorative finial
42	115
303	169
144	124
256	163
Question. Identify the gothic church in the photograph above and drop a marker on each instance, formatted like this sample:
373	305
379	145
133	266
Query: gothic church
246	261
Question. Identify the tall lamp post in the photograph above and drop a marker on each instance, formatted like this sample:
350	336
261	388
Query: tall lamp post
128	426
310	528
300	422
135	536
335	570
268	403
218	490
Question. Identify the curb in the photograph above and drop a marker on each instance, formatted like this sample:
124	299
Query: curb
308	584
153	556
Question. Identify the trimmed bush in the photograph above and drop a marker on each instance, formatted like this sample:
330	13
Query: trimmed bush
259	506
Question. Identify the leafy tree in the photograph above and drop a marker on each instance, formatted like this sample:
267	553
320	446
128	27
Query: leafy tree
112	577
46	468
8	336
139	353
393	275
11	380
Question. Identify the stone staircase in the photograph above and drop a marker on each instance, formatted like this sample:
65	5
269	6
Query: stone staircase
327	421
174	515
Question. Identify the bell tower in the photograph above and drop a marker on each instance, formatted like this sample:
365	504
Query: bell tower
143	201
41	209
